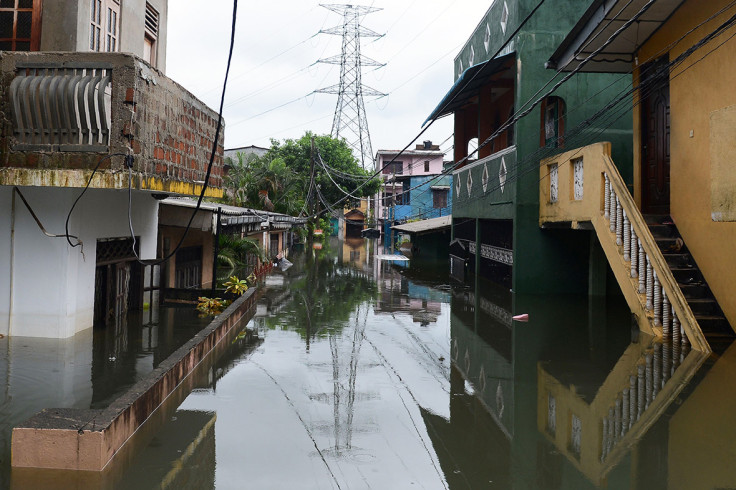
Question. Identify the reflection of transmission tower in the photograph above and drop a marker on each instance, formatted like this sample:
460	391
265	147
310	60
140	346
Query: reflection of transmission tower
350	120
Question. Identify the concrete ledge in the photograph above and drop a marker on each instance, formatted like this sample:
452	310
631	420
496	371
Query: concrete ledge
78	439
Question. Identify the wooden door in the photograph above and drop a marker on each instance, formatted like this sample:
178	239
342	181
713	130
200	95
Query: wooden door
655	123
122	283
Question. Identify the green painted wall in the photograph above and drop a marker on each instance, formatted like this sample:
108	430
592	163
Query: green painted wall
544	260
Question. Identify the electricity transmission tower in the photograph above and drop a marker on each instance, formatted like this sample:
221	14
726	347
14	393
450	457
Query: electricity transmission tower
350	121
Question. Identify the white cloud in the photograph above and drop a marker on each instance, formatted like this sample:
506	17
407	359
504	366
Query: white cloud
274	50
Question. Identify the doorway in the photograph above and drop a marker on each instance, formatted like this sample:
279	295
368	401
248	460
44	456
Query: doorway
118	281
654	91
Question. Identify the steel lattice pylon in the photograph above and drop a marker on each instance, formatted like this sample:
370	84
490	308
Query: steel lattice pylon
350	121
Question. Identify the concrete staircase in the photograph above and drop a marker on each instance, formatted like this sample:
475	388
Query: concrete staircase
693	285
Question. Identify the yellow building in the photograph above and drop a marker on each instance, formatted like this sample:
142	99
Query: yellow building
683	59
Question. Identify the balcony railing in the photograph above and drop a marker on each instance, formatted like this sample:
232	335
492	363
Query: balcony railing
61	108
65	111
584	186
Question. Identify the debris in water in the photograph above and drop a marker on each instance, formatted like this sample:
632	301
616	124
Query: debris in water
521	318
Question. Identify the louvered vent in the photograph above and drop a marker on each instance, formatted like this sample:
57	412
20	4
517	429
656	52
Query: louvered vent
151	21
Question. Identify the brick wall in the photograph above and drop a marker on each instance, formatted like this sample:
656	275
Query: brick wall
169	131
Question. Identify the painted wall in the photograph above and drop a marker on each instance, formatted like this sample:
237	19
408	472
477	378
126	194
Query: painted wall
697	96
52	283
541	256
413	165
65	26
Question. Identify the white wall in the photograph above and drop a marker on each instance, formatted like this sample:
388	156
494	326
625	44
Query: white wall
52	283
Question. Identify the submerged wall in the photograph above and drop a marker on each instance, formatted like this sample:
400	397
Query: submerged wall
47	287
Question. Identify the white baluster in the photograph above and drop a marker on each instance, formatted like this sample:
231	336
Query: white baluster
627	238
625	412
612	210
642	270
676	344
619	222
634	252
683	335
617	420
649	380
657	301
666	315
607	196
650	284
604	442
657	370
666	360
632	400
641	391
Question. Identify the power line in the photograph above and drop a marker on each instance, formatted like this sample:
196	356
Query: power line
129	161
350	116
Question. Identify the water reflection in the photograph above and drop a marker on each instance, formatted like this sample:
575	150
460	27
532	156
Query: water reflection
594	420
88	370
368	374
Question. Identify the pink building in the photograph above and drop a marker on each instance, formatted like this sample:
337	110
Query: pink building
413	185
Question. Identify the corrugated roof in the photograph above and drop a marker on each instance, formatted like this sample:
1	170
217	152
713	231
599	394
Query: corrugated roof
425	225
227	210
469	85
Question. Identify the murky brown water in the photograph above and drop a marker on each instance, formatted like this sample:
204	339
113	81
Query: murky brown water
372	375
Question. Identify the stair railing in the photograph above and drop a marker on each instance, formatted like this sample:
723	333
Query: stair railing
584	186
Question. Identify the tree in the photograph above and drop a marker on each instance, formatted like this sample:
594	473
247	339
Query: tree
284	173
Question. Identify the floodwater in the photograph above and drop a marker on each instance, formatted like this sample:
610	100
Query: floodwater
89	370
359	374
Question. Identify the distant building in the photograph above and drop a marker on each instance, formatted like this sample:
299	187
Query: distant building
414	186
232	153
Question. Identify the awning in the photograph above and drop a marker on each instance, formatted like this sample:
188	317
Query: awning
425	226
599	23
469	85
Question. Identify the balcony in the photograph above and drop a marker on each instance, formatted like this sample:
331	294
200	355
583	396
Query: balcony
583	189
481	188
63	112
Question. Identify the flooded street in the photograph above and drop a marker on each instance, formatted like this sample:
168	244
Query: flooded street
359	373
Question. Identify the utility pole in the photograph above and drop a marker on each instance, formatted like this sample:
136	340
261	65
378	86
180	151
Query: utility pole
310	204
350	121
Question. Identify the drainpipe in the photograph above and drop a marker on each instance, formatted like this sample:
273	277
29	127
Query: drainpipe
217	250
12	262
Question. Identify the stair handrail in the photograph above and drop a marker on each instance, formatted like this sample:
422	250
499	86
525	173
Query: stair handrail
605	201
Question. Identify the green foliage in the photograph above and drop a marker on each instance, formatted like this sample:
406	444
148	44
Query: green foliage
284	172
236	286
234	251
211	306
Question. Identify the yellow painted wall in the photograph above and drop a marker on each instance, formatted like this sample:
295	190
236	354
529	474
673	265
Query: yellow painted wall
702	432
696	92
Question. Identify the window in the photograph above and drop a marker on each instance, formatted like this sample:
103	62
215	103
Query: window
104	25
20	25
439	198
396	167
426	165
151	35
553	122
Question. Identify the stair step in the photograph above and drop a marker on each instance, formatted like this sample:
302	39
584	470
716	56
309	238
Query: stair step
691	291
687	275
675	259
714	324
662	230
704	306
656	219
670	244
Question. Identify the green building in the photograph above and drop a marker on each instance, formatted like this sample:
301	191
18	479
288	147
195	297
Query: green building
500	73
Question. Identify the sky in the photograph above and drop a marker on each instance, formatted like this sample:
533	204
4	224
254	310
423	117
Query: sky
274	74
